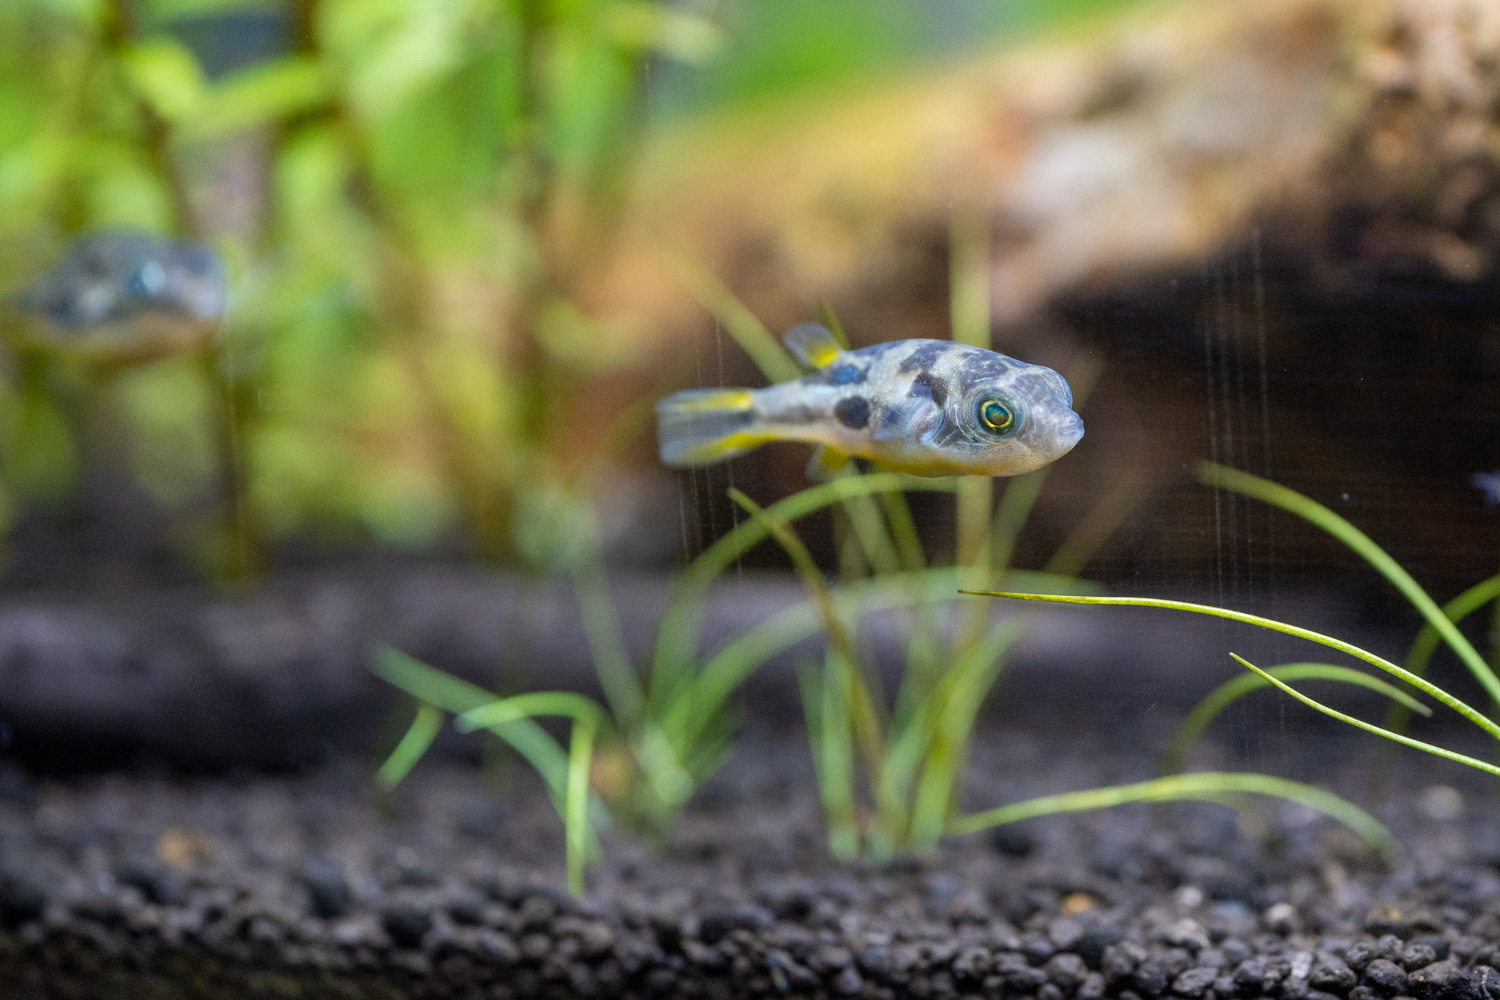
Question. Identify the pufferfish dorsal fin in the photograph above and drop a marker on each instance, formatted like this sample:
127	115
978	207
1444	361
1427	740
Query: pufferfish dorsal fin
813	344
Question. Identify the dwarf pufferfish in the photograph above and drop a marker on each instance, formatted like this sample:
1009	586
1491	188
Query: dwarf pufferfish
927	407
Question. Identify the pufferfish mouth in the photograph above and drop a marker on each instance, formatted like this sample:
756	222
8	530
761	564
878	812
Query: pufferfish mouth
1069	430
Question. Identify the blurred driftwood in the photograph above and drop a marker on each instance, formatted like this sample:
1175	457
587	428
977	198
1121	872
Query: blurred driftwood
1131	147
1275	224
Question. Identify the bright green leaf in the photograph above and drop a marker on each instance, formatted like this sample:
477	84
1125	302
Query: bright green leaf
165	75
684	36
259	95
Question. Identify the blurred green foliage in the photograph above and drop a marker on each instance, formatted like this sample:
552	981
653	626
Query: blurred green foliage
406	193
403	192
784	48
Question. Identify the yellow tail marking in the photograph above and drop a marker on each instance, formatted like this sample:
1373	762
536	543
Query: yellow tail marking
729	399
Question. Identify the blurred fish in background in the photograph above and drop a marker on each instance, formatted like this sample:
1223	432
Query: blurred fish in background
126	296
1489	484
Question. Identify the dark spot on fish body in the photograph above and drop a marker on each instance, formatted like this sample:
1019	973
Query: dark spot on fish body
853	412
844	375
923	357
927	384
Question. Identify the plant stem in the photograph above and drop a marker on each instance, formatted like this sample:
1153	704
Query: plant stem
1431	690
1310	510
1369	727
1237	687
1202	786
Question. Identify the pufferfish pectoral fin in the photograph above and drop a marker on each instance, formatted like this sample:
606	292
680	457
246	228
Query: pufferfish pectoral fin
825	463
813	344
910	420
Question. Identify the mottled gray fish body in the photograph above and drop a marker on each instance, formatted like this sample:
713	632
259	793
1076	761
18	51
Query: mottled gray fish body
928	407
111	277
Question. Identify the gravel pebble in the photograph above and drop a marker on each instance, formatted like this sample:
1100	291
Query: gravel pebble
300	896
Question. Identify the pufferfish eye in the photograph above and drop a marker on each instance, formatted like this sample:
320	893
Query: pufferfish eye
997	415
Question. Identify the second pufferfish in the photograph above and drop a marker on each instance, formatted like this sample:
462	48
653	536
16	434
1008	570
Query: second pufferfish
927	407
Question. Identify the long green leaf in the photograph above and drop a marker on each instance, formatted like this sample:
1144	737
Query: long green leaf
1456	610
743	325
1369	727
587	716
430	685
576	830
1208	786
681	624
1431	690
1231	690
501	711
424	729
863	707
601	628
1314	512
970	682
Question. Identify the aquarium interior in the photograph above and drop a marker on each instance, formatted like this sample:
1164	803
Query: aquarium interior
361	636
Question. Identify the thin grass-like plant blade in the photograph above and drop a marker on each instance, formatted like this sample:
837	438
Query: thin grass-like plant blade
1235	688
833	759
1431	690
1368	727
830	319
862	705
743	325
1456	611
1310	510
606	640
576	829
1011	512
728	668
1109	511
424	728
1207	786
457	696
682	622
511	720
871	532
971	680
580	838
1417	659
904	531
501	711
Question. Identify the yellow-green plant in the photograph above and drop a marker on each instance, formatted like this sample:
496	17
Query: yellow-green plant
671	718
1441	626
405	194
889	774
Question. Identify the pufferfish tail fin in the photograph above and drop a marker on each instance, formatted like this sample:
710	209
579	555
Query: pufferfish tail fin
702	426
813	344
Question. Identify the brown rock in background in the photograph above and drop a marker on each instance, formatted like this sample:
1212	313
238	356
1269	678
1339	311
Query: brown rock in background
1274	224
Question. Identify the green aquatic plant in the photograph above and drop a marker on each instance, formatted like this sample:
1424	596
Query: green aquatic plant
908	756
911	759
512	720
672	716
405	193
1441	627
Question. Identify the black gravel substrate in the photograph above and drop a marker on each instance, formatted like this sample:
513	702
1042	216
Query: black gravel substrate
148	887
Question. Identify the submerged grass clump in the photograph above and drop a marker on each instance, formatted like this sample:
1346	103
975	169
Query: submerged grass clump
889	768
666	724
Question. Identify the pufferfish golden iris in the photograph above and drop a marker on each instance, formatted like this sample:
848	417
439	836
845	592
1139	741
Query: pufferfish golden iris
927	407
